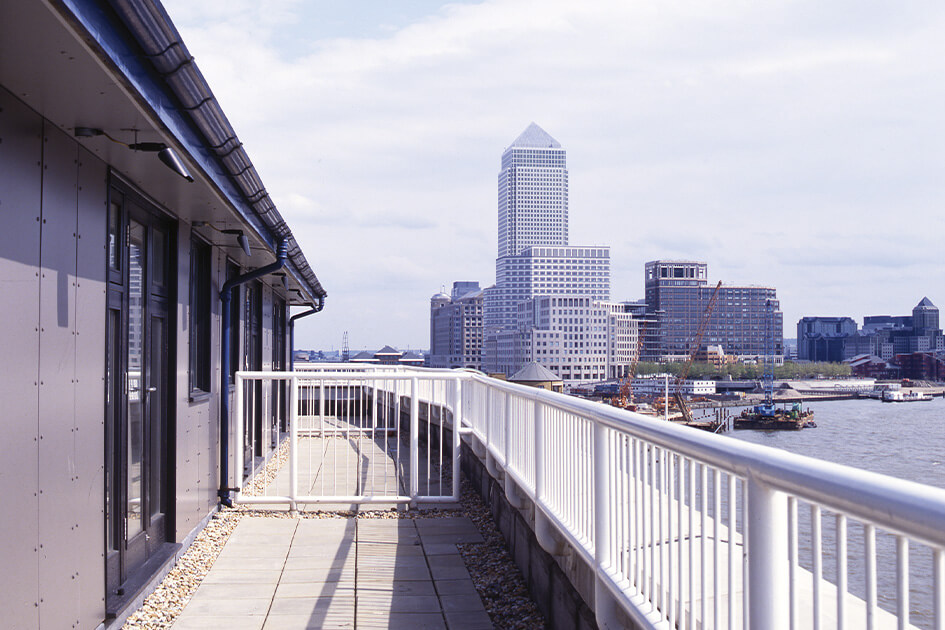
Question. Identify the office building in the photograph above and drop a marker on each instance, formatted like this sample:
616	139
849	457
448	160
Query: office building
575	337
456	327
884	336
534	257
746	321
824	338
537	271
533	193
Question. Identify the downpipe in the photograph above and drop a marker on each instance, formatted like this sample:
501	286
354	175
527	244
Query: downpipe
315	309
226	295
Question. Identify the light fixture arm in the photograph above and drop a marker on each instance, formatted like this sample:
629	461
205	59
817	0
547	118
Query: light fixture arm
165	153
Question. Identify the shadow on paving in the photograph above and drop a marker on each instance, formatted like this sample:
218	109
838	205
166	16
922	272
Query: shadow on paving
341	573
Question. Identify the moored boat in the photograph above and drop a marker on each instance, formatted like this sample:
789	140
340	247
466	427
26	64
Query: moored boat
900	396
768	417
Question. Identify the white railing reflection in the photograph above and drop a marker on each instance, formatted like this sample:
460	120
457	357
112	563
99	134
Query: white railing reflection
684	529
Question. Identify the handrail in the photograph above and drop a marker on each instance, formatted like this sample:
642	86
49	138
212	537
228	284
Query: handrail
643	479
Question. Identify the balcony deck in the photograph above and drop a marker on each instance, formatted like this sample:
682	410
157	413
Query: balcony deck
662	523
340	573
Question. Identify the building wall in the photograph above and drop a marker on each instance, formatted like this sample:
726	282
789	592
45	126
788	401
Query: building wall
456	327
53	214
577	338
538	271
677	294
52	243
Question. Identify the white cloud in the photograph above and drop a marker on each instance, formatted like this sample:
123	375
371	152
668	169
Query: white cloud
749	135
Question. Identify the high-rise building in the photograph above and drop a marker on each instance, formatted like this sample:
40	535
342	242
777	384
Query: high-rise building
534	258
456	327
824	338
533	193
537	271
746	321
925	318
577	338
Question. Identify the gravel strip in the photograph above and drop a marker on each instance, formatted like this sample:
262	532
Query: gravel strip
162	607
495	575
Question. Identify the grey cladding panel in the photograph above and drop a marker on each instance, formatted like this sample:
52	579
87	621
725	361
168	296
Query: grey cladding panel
20	190
90	387
58	499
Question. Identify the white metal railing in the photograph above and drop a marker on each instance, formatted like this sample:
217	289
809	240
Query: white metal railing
683	528
355	435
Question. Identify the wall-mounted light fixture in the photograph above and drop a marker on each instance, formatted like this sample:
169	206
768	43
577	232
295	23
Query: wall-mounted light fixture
284	279
242	239
165	153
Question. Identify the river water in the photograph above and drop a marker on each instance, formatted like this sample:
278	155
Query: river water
905	440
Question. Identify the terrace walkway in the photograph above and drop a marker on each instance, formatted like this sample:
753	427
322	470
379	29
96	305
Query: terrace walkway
279	573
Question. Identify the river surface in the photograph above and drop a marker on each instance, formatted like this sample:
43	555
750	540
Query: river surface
905	440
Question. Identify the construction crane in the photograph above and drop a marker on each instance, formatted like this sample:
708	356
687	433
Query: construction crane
694	349
624	397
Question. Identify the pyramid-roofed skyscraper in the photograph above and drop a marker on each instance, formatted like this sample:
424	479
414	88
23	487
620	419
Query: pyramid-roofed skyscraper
533	193
535	258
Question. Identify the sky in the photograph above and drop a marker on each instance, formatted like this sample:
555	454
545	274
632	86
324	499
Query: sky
798	145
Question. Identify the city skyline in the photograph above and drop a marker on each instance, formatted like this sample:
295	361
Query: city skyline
789	145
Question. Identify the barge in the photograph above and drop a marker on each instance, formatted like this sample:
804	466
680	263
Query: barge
767	417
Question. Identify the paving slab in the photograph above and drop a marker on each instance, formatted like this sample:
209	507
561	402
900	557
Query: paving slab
468	620
286	574
219	622
456	587
402	621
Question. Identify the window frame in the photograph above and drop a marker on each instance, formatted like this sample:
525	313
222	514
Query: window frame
200	363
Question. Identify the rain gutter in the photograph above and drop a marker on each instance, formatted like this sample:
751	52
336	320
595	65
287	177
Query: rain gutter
138	40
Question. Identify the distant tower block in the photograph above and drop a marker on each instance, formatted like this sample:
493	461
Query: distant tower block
533	193
345	353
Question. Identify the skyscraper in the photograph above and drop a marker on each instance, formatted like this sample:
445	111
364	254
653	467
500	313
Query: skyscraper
533	193
534	258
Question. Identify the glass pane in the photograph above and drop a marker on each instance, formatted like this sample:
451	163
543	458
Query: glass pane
159	258
114	231
156	417
134	376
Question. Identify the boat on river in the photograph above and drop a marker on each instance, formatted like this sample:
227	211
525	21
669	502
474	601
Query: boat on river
769	417
899	396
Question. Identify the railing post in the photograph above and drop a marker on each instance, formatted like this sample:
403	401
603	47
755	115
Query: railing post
768	570
539	452
488	416
414	439
238	430
293	445
321	406
457	424
507	455
605	606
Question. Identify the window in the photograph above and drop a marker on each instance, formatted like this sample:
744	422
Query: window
200	370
